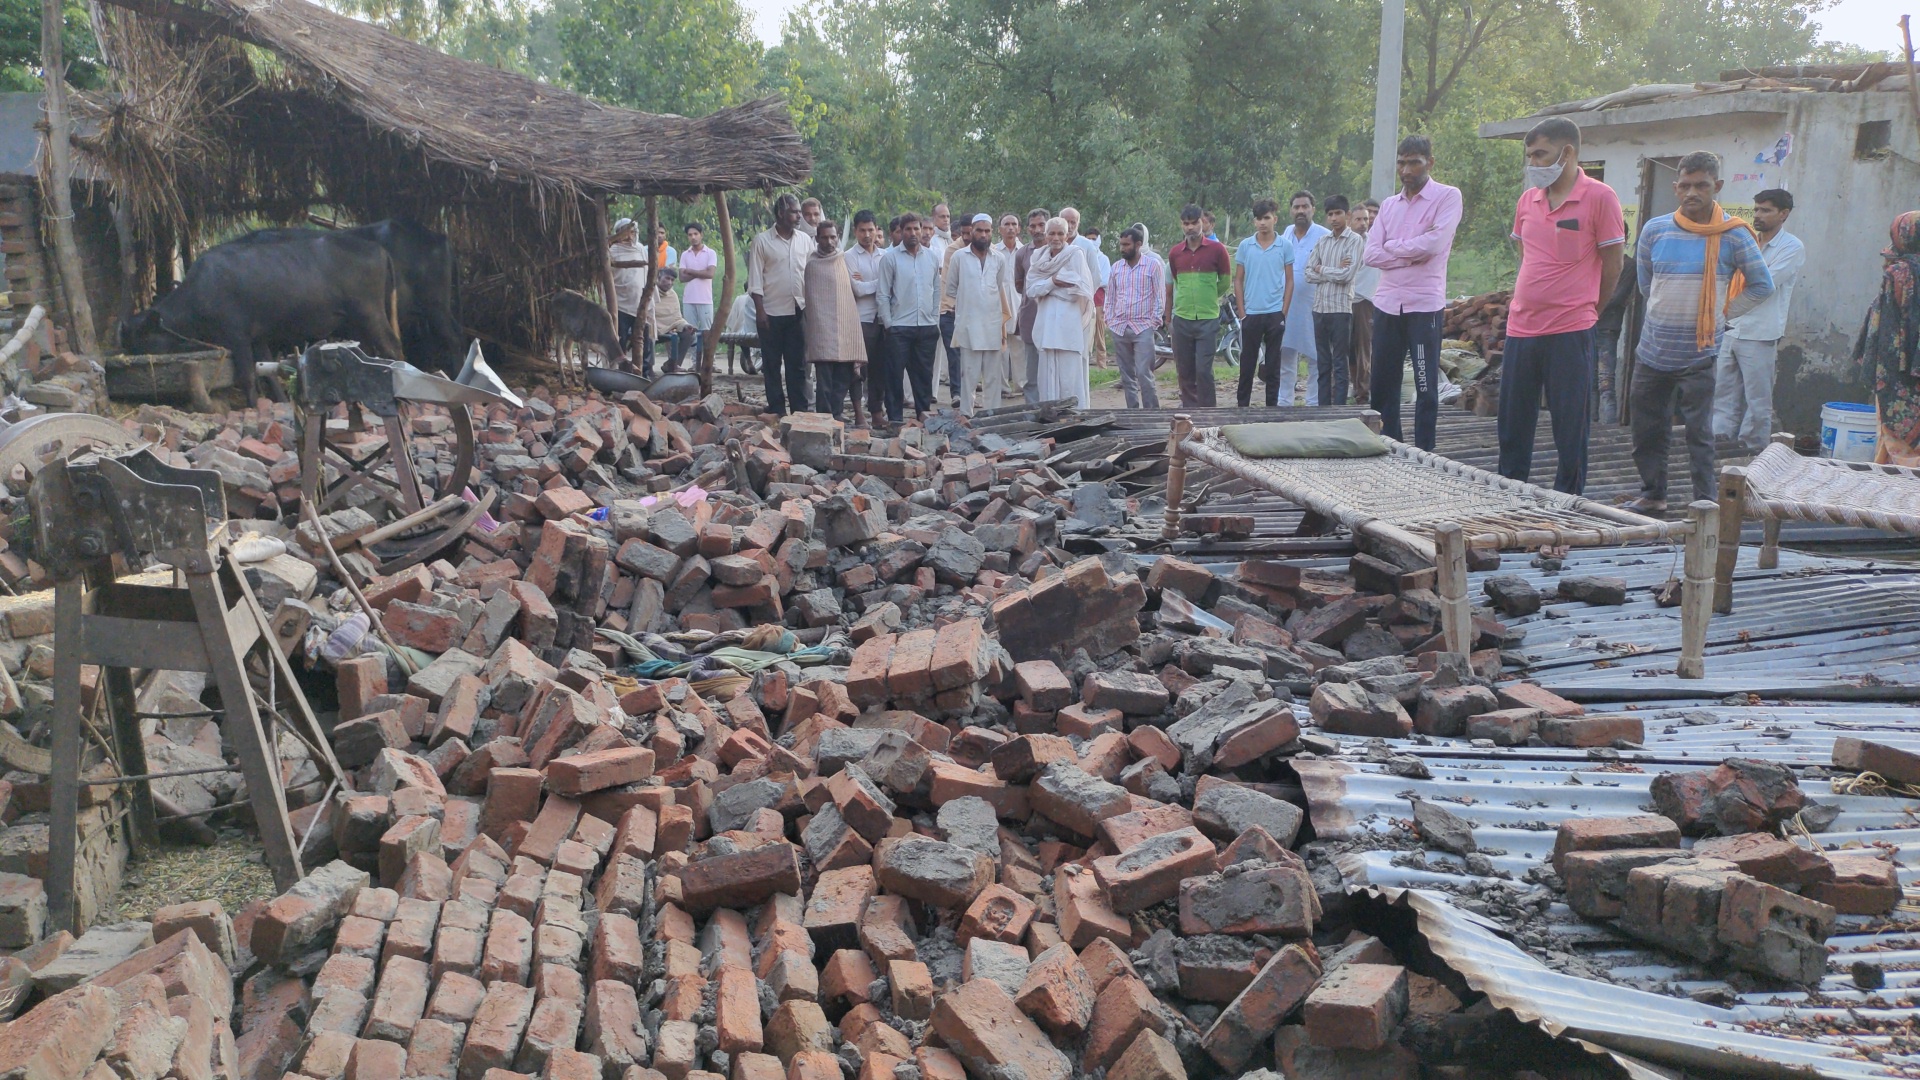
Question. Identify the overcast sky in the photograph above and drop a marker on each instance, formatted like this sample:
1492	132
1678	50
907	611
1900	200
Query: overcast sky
1868	23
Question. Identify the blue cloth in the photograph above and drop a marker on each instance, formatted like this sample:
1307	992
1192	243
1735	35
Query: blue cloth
1266	273
1300	316
1669	263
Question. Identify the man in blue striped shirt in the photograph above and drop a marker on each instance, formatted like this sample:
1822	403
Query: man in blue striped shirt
1697	268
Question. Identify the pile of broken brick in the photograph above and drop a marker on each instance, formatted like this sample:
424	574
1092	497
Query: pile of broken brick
972	807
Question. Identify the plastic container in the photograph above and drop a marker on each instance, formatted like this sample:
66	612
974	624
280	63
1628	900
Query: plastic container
1848	432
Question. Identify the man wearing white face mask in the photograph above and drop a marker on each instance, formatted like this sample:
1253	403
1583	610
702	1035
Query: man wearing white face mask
1571	236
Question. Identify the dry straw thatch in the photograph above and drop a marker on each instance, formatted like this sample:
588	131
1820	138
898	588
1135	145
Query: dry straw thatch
238	112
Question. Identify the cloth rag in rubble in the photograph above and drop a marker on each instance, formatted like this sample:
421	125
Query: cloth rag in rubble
832	314
1348	438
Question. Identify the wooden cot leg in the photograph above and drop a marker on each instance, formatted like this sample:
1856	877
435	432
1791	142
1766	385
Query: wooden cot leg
1176	474
1456	615
1733	496
1696	593
1770	544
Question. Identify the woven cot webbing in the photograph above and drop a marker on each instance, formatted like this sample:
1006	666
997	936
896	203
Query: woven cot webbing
1783	485
1416	491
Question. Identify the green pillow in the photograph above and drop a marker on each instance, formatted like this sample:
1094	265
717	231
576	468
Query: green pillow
1349	438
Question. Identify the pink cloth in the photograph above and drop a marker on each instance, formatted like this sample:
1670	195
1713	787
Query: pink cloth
1558	291
1409	243
698	291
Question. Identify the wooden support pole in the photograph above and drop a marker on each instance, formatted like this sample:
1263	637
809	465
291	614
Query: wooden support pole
1176	473
1733	499
723	297
1450	561
1696	590
59	177
637	343
603	235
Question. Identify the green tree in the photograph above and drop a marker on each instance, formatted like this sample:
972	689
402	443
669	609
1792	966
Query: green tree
688	57
20	46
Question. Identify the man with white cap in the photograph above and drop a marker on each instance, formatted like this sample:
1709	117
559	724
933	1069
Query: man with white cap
979	285
629	261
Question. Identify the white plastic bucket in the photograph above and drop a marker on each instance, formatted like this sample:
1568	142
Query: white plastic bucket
1848	431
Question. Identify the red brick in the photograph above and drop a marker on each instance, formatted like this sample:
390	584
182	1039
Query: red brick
908	674
960	655
1890	762
980	1021
741	880
1243	1027
1083	911
429	629
1058	992
1603	834
835	906
1356	1007
911	986
562	502
512	795
846	977
493	1038
1123	1010
359	681
1527	695
1585	731
867	674
796	1027
737	1010
508	952
997	914
1151	871
551	828
400	1000
582	773
1863	884
612	1027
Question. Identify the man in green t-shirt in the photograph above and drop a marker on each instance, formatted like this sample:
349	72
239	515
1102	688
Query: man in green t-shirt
1199	273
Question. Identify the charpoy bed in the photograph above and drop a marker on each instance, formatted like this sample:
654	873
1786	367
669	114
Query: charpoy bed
1435	508
1780	485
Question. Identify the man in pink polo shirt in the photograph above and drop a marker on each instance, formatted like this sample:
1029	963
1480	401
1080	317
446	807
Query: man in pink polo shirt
1409	244
1571	237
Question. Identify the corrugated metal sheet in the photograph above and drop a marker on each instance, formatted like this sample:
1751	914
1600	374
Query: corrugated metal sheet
1659	1028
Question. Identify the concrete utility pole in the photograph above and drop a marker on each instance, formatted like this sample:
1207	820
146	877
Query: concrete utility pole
1386	101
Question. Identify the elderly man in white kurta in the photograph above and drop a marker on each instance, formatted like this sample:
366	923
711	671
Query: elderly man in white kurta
979	286
1060	282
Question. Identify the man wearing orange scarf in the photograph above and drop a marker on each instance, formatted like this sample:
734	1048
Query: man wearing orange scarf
1697	267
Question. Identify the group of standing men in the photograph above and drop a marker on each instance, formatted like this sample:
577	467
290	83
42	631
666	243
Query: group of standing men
1714	291
1354	300
872	321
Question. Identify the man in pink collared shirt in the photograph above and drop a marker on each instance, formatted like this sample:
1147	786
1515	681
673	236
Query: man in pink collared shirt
1571	237
1409	243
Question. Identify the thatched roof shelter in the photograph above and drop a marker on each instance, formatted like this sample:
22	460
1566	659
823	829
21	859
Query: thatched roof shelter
242	111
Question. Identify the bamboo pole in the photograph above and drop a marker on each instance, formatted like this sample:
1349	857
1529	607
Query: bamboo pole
1913	80
603	235
66	254
637	343
1696	588
1456	614
710	341
1733	495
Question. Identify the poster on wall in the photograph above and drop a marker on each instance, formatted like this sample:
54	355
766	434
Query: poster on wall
1782	148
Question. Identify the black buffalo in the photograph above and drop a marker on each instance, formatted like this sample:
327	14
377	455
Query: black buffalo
428	305
258	295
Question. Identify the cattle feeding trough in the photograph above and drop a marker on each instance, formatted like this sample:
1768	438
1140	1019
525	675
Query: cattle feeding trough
364	424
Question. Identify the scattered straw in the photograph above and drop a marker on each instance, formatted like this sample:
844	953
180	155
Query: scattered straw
231	872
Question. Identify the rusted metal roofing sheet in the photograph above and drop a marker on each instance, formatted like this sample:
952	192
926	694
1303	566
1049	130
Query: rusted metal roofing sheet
1658	1028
